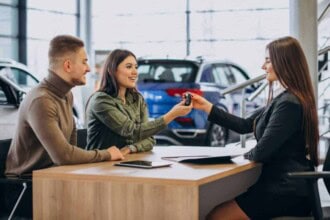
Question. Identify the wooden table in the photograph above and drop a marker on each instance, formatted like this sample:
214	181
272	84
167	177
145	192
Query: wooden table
104	191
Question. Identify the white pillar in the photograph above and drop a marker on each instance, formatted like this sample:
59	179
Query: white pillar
85	23
303	26
84	26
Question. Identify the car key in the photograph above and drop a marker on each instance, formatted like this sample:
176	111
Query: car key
187	97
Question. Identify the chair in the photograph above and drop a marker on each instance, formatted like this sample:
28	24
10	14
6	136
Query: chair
11	181
312	177
82	138
167	76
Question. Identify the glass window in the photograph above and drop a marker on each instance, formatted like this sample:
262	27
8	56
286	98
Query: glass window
221	75
215	74
107	7
167	72
324	30
38	40
143	25
225	29
236	5
6	93
238	75
9	48
8	21
207	75
258	24
60	24
248	54
3	97
9	2
67	6
38	57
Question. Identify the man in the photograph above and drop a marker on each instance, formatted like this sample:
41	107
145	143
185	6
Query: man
46	133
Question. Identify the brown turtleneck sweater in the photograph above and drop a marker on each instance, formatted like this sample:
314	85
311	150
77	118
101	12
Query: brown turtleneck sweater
45	133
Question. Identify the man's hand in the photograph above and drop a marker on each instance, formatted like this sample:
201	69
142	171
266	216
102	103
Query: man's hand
115	153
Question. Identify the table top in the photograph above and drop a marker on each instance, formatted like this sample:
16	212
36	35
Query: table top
177	173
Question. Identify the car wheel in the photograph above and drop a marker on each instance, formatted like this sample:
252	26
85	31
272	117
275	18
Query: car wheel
217	136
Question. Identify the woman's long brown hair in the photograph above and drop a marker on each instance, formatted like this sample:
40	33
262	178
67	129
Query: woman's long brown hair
291	68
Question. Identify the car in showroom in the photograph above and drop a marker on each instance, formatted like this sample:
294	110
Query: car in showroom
15	81
162	82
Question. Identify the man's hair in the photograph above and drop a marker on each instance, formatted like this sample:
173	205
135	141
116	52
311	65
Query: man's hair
62	45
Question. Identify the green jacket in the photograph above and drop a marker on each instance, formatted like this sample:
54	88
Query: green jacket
112	123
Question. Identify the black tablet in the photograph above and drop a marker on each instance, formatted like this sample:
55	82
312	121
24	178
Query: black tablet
143	164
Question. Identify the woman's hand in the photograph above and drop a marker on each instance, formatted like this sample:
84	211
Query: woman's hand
115	153
181	109
178	110
201	103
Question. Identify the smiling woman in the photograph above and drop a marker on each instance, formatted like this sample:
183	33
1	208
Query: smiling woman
117	114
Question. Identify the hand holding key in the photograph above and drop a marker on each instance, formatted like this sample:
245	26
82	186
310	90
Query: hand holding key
181	109
187	99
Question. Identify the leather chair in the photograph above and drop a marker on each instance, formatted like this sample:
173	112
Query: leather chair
167	76
23	184
318	212
82	138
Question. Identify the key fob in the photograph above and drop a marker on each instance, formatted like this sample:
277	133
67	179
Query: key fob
187	97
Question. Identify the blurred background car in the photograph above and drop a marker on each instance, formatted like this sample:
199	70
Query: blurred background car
163	81
15	81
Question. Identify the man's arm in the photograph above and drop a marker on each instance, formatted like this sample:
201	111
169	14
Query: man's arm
73	138
43	118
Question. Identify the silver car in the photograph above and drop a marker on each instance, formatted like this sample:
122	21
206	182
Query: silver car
15	81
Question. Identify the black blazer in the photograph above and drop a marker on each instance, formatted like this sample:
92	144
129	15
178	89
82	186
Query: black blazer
280	142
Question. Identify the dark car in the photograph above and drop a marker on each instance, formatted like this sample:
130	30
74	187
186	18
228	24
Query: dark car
162	83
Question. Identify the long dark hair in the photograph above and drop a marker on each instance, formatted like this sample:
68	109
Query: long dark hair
291	68
109	83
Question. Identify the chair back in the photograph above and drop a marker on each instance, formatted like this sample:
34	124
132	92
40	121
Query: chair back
4	148
82	138
326	167
167	76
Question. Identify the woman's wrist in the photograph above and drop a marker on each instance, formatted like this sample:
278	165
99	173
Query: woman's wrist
208	108
132	148
168	117
125	150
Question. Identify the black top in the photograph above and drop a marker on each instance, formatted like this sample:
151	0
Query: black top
280	142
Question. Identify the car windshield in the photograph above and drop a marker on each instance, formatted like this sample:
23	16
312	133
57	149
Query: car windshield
167	72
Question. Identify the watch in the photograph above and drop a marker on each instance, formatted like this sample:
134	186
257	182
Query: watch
132	148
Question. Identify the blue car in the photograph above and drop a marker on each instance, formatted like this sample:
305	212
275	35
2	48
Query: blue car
162	83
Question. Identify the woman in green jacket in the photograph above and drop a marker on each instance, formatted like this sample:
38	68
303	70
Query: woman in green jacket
117	114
